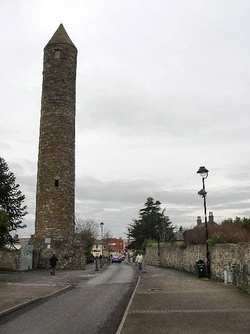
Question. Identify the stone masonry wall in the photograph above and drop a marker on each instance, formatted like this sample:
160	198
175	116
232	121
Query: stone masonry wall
75	259
223	256
9	259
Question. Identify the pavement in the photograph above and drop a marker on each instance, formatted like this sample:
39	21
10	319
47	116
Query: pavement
175	302
164	300
18	289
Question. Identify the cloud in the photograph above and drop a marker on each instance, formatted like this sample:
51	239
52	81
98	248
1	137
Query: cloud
162	88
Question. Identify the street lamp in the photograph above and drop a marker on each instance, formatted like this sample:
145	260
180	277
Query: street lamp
101	224
128	245
204	174
129	232
158	239
101	259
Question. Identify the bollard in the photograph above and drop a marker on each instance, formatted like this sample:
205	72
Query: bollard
96	265
234	273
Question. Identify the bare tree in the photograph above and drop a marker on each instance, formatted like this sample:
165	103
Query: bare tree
88	231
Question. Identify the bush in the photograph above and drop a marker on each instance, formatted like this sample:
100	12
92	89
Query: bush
217	234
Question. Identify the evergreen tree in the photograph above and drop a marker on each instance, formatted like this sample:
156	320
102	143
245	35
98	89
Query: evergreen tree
11	204
4	228
152	224
240	222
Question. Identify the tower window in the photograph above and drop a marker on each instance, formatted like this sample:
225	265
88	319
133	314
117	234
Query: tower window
57	54
56	183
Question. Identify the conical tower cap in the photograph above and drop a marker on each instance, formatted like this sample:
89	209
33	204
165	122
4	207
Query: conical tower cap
60	37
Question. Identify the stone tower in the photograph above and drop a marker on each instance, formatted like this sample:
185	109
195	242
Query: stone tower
55	197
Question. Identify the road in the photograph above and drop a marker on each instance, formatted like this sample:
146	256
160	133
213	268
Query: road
93	306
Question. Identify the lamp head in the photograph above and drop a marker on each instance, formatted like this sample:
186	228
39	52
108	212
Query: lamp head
101	223
157	203
203	172
202	193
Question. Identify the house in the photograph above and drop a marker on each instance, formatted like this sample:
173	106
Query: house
106	246
197	235
115	245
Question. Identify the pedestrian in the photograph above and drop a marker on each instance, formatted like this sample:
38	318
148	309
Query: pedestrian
53	260
139	260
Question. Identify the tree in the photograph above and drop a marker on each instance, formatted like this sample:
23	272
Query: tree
11	203
240	222
152	224
4	228
88	231
228	231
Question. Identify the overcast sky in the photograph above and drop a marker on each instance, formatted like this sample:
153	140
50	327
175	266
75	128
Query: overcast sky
162	89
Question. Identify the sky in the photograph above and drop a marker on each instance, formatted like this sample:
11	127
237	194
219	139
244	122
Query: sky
162	89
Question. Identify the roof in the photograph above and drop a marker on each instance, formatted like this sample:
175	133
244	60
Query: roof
60	37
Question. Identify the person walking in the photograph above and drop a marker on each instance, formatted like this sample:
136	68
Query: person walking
53	261
139	260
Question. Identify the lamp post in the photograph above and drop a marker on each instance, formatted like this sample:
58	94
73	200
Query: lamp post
204	174
101	257
129	231
128	254
158	239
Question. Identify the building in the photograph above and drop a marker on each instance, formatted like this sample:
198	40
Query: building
197	234
114	245
55	194
97	249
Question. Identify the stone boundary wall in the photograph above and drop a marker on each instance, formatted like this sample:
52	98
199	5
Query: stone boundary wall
23	259
223	256
75	259
9	259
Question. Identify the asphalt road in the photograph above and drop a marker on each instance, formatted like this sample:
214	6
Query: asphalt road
93	306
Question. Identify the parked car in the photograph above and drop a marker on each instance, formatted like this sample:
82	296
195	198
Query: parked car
116	259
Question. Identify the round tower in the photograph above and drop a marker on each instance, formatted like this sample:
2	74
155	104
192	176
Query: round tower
55	196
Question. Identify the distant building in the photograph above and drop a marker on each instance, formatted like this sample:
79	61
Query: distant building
115	245
97	248
105	246
209	222
197	234
179	238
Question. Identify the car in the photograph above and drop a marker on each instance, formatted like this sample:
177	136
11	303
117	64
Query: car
116	259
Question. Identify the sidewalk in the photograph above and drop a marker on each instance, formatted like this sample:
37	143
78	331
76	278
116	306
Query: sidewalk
171	301
21	288
165	301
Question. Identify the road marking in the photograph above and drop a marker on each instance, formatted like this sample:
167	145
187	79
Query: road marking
127	309
238	310
32	284
160	290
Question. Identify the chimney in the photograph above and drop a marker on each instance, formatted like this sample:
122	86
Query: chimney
211	217
198	220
